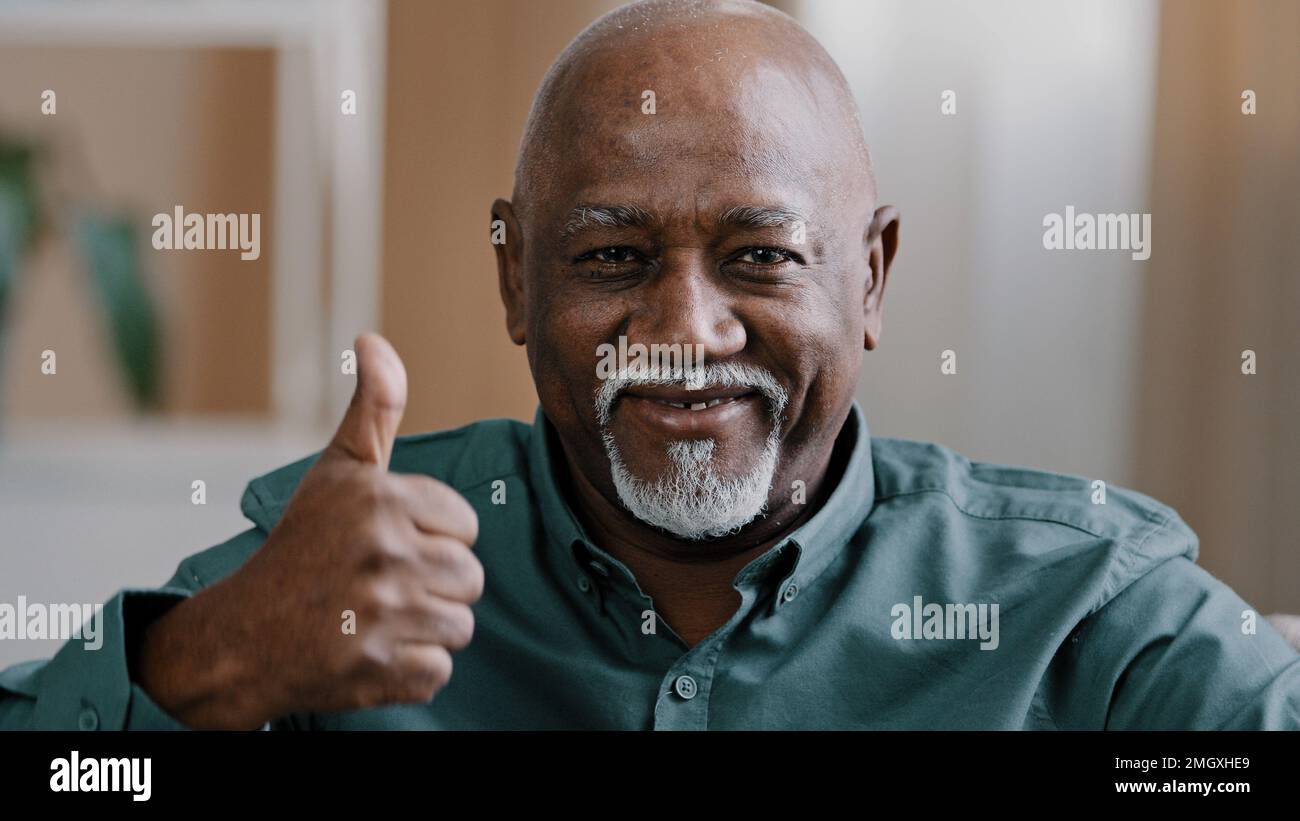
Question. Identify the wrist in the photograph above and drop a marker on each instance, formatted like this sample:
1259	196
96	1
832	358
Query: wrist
193	667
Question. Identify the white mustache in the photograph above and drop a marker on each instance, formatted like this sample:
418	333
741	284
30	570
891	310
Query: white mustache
712	375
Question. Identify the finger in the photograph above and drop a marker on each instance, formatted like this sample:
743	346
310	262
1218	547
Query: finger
454	572
438	509
434	620
419	671
370	424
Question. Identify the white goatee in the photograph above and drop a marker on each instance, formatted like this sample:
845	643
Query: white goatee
692	500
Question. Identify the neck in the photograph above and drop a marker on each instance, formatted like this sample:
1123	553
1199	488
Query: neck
691	582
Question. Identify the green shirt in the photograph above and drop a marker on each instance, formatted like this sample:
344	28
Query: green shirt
877	612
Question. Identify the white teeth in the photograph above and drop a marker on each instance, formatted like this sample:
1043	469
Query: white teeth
695	406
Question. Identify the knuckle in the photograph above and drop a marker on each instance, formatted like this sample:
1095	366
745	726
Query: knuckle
383	549
372	661
440	668
392	550
459	627
475	580
380	599
424	677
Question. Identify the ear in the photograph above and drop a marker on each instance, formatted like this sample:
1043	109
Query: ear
507	242
882	242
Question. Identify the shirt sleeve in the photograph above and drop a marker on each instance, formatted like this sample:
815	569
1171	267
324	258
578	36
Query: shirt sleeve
89	687
1175	650
84	687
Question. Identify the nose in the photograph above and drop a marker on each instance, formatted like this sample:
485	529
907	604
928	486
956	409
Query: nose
686	304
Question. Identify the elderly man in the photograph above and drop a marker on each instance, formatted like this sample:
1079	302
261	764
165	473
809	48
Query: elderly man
716	546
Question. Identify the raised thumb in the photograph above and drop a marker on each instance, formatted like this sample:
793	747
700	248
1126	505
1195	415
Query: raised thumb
370	424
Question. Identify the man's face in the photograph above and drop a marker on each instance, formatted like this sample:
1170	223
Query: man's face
719	220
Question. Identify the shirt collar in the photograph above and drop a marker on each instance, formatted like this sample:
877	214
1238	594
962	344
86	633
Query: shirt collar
820	539
817	540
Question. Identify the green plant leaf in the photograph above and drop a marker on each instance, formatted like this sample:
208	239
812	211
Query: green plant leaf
17	211
109	248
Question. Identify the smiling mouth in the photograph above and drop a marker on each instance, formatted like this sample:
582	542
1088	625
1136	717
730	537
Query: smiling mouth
678	413
695	406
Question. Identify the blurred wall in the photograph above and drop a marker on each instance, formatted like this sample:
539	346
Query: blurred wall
461	77
1053	108
144	130
1220	445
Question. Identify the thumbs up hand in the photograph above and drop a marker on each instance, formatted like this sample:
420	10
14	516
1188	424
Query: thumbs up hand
369	427
391	549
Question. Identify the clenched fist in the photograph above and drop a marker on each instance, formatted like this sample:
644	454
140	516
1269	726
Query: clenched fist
394	549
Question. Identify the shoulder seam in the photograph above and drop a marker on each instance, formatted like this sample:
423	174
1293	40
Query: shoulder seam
964	511
1132	550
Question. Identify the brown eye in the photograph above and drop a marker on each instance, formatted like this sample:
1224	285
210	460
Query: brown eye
614	254
764	256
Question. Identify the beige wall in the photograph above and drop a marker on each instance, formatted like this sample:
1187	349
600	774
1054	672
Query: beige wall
195	127
1221	446
144	130
460	80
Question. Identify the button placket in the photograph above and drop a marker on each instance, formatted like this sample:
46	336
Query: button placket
685	690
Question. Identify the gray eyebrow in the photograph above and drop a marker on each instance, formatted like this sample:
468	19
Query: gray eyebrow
631	216
610	216
760	216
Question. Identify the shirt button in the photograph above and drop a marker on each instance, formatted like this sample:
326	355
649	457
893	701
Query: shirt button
791	590
584	584
685	687
88	720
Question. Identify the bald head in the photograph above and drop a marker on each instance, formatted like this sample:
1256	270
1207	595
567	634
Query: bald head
694	174
715	70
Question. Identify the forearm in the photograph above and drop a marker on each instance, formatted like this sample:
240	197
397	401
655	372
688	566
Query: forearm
199	667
